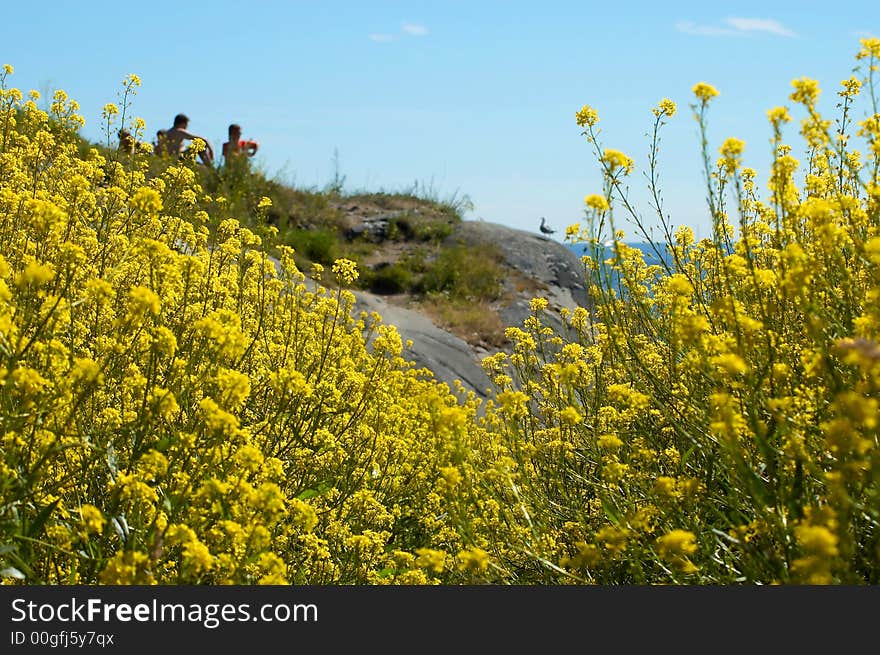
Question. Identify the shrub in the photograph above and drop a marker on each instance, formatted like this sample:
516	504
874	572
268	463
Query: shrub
318	245
464	272
390	278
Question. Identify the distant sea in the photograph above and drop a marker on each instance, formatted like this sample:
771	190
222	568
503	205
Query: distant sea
649	254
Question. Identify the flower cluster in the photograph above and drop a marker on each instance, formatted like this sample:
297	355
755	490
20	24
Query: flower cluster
712	417
179	405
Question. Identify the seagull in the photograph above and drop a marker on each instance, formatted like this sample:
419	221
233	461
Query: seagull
544	228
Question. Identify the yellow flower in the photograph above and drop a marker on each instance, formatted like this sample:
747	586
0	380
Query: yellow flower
143	301
345	270
45	214
216	419
35	274
302	515
587	116
613	538
86	370
29	381
609	441
570	416
674	548
233	387
677	542
538	304
679	285
197	556
128	567
704	92
474	560
147	200
851	88
628	397
732	148
513	403
806	91
617	160
451	475
268	498
731	363
92	519
817	540
597	202
152	465
431	559
665	108
131	80
249	458
197	145
665	486
273	568
870	48
588	555
99	290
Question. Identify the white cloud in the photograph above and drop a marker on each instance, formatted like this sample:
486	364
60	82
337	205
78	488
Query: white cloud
414	29
381	38
760	25
736	27
704	30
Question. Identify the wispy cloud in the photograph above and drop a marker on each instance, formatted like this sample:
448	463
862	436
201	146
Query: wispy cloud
381	38
704	30
414	29
736	27
760	25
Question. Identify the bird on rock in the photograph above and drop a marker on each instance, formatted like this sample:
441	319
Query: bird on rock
545	228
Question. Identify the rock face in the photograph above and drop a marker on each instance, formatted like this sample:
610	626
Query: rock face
556	272
539	267
449	357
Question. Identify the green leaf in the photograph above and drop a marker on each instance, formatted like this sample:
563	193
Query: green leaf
610	512
41	518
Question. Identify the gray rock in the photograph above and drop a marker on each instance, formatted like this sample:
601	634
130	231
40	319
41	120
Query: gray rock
556	271
446	355
535	256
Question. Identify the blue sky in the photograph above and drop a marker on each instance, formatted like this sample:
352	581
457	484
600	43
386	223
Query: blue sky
474	98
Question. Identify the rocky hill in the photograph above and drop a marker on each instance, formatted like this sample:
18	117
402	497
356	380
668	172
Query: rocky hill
449	285
531	266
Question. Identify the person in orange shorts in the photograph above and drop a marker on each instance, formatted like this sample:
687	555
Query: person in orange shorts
238	146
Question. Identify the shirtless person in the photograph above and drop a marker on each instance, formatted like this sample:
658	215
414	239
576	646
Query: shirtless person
173	140
236	145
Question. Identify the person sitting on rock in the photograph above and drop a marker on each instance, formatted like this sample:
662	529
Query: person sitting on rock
173	140
238	146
